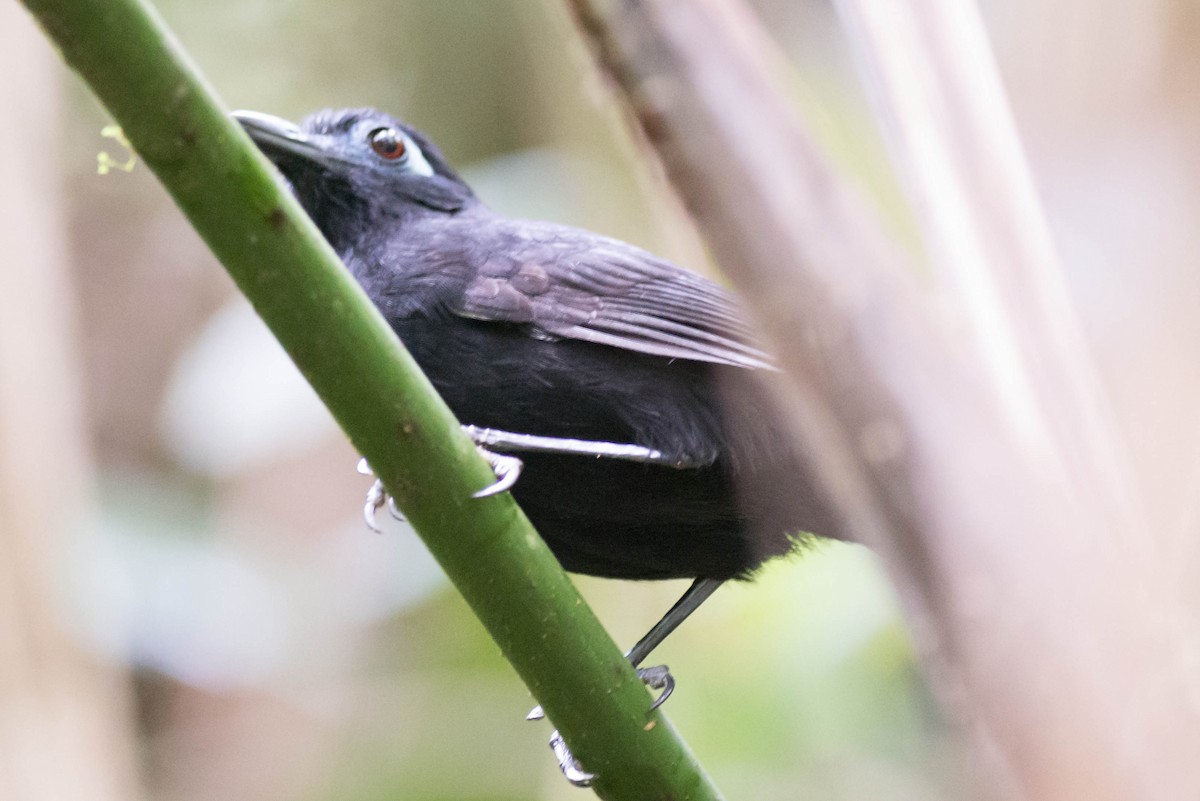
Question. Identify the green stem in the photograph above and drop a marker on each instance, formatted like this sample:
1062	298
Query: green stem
377	394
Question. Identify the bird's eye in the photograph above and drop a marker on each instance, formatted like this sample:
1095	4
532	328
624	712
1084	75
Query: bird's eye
387	143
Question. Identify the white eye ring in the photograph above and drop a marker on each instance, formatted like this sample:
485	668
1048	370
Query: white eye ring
416	159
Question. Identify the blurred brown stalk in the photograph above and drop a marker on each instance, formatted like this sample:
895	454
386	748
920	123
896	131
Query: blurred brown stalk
961	431
65	733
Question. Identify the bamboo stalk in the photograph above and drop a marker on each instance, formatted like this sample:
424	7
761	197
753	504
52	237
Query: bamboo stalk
377	394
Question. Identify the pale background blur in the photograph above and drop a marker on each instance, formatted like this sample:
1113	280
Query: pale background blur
186	581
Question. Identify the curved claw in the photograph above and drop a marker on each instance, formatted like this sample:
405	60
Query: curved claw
394	510
570	766
658	678
376	497
507	470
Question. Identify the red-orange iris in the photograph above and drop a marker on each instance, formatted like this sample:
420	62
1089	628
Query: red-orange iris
387	143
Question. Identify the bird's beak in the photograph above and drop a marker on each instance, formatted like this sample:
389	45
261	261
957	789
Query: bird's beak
276	137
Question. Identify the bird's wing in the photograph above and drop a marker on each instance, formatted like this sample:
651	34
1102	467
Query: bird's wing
577	285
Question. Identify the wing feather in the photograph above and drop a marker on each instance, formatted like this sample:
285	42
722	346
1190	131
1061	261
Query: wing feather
578	285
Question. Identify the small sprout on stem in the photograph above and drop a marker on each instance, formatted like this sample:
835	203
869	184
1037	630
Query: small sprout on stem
105	162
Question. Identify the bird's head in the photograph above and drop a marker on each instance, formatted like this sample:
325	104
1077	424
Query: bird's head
358	160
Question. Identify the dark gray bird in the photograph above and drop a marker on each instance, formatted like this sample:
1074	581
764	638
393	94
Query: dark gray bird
625	382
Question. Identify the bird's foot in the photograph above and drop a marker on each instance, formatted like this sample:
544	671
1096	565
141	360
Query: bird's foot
377	498
506	468
656	678
567	762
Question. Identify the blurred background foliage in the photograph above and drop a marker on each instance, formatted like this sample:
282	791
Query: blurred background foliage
279	650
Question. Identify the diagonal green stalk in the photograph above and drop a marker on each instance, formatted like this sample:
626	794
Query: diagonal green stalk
377	394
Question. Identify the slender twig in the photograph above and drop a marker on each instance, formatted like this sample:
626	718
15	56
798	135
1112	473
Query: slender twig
377	394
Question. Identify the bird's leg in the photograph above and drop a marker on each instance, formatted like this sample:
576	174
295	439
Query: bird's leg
657	677
495	447
688	602
510	442
508	468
